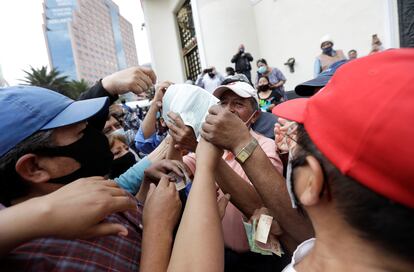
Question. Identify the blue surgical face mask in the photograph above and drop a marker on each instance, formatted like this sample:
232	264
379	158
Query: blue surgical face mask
262	69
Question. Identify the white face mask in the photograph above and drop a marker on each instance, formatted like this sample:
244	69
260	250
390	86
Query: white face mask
289	183
119	131
250	118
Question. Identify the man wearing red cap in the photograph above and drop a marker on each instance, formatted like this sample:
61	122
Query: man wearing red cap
352	168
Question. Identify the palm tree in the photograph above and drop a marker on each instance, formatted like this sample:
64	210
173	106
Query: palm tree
74	88
41	77
53	80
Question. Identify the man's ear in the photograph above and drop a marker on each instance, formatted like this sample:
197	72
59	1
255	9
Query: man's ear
313	183
28	168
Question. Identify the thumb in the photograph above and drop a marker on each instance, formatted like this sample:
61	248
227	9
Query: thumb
103	229
222	204
150	191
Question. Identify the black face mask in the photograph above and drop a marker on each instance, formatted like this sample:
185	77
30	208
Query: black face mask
328	51
211	75
263	88
92	151
120	165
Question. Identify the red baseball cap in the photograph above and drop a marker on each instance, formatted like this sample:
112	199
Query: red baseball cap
361	121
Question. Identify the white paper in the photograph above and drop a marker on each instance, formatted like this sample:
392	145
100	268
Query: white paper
190	102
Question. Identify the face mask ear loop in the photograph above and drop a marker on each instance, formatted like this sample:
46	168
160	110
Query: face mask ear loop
289	183
250	118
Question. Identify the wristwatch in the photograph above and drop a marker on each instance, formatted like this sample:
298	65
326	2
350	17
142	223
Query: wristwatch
246	151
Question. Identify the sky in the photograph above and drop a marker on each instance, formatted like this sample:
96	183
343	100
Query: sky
23	44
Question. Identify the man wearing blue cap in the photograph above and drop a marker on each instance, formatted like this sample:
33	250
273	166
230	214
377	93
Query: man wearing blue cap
49	140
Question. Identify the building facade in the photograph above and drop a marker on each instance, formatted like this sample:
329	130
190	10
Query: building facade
276	30
88	39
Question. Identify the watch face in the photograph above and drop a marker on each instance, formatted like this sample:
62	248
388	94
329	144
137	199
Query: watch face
243	156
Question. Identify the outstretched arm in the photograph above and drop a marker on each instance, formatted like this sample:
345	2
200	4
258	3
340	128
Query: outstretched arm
75	210
199	242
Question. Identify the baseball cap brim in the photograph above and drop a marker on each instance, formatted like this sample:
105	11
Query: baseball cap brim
308	88
221	89
293	110
78	111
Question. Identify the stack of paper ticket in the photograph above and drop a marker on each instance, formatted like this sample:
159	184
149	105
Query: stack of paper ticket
259	239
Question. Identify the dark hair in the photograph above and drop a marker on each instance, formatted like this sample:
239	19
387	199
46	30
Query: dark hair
12	186
377	219
230	70
352	50
262	61
266	77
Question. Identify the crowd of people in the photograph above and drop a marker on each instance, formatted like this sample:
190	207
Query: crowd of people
96	185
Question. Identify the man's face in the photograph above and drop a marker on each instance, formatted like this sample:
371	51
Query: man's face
352	54
326	45
119	149
260	64
237	105
111	125
60	166
263	81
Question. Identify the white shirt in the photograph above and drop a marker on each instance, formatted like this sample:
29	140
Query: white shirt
301	251
210	84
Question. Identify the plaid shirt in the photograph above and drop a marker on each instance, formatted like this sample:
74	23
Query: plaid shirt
107	253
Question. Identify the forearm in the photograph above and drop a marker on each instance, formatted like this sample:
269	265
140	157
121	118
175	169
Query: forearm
156	249
199	242
148	125
243	195
271	187
278	84
160	152
21	223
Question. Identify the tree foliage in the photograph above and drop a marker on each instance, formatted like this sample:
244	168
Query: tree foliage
55	81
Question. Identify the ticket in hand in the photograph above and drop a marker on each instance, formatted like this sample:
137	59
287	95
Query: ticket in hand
263	228
180	182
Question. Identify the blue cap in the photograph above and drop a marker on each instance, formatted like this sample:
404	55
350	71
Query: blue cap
25	110
308	88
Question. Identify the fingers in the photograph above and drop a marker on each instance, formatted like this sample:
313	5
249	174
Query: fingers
151	190
121	204
222	204
164	182
173	128
104	229
214	110
174	166
150	73
275	229
177	119
117	192
109	183
142	86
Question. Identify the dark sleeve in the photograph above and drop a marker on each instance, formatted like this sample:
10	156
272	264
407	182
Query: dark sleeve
276	97
97	90
249	57
235	57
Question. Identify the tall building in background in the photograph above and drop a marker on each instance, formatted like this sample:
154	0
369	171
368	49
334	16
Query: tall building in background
88	39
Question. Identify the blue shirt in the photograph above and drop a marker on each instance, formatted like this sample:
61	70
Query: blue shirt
148	145
131	180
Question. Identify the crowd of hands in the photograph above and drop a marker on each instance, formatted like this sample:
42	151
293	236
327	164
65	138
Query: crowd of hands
78	209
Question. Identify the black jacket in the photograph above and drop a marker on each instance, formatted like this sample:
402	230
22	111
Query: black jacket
242	62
